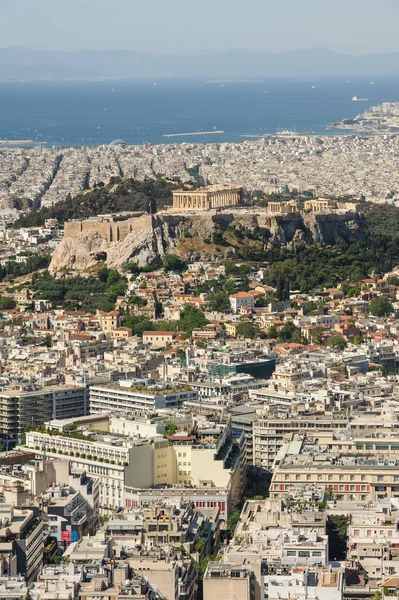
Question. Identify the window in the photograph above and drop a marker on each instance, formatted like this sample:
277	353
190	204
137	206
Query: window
356	532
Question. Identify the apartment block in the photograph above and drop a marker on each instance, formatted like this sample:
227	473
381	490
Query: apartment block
124	396
21	536
22	409
223	581
118	462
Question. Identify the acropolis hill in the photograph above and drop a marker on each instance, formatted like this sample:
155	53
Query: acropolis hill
142	238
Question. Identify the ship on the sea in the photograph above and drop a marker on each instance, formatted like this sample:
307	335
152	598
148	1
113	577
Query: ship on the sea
356	99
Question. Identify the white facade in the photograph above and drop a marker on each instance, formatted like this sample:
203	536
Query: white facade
124	398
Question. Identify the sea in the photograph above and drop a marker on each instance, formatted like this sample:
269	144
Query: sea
89	113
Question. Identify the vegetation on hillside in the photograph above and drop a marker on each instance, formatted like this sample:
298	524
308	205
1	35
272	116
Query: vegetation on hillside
11	269
307	267
190	318
119	195
81	293
382	218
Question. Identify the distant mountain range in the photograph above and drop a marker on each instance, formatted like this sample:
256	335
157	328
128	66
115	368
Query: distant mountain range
22	63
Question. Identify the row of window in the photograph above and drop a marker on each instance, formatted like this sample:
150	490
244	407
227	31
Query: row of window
369	533
304	553
322	477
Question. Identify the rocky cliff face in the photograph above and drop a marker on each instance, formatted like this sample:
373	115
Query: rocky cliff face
185	234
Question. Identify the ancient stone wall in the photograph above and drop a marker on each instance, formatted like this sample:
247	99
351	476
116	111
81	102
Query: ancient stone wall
111	230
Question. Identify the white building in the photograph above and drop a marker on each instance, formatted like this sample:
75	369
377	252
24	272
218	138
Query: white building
241	299
124	397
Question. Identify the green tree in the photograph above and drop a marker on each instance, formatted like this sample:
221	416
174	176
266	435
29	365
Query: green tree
337	342
218	239
317	335
113	277
337	526
247	330
191	318
287	332
48	340
137	324
380	307
103	274
272	332
171	428
219	301
172	262
232	522
7	303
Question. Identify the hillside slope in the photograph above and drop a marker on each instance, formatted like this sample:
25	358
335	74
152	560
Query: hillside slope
231	233
118	196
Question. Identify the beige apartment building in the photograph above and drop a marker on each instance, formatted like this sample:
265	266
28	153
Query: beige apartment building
158	339
228	582
215	196
373	533
362	478
271	432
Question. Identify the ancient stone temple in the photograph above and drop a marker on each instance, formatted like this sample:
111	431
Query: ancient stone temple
214	196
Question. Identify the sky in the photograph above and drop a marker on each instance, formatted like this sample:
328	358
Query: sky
169	26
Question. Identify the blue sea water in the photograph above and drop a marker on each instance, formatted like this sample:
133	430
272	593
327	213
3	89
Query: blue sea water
137	111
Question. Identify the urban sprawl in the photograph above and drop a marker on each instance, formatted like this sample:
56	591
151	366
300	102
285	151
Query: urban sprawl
185	430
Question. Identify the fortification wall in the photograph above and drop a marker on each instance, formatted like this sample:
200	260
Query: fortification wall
72	228
108	229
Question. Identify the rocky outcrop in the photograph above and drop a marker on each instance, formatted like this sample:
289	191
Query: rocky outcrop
153	237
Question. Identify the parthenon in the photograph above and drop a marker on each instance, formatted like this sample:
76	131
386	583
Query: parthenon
215	196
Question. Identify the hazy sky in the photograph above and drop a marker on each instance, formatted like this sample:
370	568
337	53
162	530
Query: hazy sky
352	26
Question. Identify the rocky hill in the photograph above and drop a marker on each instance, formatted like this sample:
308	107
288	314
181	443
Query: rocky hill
240	233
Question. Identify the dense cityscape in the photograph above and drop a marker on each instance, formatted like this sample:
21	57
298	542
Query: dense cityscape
196	427
347	165
199	362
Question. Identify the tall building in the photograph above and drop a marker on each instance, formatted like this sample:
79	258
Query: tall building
21	540
22	409
214	196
